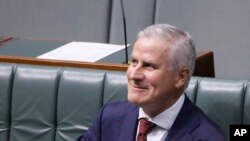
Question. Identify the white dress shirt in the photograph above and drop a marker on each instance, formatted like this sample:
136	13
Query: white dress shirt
163	121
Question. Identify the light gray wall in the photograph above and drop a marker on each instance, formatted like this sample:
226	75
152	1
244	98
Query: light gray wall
222	26
218	25
139	14
85	20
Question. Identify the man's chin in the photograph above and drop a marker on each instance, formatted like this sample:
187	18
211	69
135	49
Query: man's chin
135	101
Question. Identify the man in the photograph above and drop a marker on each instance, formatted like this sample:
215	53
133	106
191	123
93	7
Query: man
161	65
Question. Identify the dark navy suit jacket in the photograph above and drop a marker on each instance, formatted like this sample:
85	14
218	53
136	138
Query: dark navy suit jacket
118	122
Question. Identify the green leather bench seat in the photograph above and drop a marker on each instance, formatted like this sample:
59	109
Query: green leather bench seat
43	103
79	100
246	110
33	103
222	100
6	75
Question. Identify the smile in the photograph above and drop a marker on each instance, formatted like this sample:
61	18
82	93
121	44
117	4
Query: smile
139	87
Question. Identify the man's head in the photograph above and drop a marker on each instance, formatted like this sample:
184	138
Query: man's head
162	62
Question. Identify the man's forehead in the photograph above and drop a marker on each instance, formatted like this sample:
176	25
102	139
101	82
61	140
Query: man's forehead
153	42
151	47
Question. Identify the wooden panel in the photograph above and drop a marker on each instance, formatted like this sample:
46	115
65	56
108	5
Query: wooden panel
204	64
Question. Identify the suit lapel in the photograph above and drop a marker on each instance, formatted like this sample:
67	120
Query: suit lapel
129	126
185	122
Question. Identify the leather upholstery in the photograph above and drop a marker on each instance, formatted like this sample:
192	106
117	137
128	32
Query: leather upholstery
192	89
42	103
33	106
6	77
246	110
222	100
115	87
79	100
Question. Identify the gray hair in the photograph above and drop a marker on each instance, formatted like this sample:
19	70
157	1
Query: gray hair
182	49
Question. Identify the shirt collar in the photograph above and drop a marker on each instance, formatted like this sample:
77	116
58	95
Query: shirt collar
166	118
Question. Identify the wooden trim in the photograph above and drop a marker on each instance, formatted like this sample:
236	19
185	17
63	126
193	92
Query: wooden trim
203	54
35	61
204	63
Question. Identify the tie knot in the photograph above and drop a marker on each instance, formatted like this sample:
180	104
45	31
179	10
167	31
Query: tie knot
145	126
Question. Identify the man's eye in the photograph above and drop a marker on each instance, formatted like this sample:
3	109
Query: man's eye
133	62
150	66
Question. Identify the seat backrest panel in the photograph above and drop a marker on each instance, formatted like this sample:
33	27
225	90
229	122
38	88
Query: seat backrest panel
79	100
246	116
115	87
191	90
6	77
34	97
222	101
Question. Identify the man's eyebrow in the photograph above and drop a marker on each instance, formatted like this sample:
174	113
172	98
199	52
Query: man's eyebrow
147	60
150	62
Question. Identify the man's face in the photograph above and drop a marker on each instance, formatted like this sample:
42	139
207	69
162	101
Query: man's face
150	83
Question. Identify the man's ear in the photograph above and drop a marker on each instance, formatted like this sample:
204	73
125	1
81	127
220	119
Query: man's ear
182	77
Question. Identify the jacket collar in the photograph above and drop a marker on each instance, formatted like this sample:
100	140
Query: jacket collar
186	121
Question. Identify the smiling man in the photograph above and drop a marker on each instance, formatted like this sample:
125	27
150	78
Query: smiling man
157	109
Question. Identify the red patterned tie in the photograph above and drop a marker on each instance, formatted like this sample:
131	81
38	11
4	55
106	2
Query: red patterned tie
144	127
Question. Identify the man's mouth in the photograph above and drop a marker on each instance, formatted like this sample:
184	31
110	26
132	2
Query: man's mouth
141	86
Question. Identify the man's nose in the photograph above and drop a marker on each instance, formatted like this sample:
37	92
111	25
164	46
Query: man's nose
137	73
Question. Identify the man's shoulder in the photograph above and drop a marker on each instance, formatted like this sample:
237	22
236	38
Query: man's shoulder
196	122
119	109
205	123
121	106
